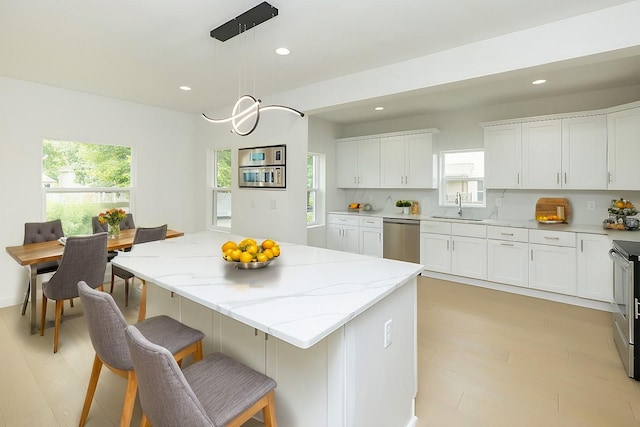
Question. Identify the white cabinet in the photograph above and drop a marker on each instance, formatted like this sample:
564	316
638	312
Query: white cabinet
584	148
458	248
342	233
406	161
541	154
594	272
566	153
502	155
507	255
552	263
435	246
623	128
469	250
358	163
370	233
354	233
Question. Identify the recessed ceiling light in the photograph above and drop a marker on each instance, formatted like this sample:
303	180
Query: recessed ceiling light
538	82
379	108
282	51
185	88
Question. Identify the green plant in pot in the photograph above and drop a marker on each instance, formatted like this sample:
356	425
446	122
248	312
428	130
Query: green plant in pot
404	204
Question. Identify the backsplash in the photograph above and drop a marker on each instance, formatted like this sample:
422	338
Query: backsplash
515	204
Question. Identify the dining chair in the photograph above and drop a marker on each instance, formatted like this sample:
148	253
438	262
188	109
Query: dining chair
35	232
84	258
106	329
216	391
143	235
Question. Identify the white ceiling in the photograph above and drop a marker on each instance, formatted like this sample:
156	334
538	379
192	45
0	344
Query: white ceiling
144	50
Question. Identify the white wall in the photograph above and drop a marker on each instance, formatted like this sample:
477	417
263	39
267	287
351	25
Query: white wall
163	146
279	214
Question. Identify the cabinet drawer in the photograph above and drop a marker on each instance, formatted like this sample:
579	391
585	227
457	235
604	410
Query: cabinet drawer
342	219
438	227
469	230
508	233
370	221
554	238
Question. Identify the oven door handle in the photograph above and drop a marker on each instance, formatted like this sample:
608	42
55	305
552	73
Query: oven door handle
636	305
616	257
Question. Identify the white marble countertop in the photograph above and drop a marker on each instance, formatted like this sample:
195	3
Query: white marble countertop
301	297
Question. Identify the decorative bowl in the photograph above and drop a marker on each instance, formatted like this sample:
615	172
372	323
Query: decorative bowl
248	265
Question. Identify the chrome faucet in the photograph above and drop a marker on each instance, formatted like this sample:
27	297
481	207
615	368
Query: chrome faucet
459	203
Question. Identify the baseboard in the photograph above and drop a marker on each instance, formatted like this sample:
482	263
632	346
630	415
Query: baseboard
535	293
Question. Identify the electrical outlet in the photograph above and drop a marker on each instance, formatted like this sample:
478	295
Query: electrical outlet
498	202
591	205
388	333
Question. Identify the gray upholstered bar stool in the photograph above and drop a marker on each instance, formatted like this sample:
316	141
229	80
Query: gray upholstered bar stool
107	331
217	391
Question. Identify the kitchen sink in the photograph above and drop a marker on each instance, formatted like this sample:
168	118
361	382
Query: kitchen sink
457	218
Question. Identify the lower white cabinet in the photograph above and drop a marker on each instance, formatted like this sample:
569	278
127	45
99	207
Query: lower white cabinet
469	256
342	233
552	262
507	255
435	252
356	234
594	270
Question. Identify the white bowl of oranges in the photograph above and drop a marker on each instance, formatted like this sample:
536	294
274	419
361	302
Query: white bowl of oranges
248	254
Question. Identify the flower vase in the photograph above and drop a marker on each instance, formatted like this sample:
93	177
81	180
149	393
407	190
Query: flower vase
405	210
114	231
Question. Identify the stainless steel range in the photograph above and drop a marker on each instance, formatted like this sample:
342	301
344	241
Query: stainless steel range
626	290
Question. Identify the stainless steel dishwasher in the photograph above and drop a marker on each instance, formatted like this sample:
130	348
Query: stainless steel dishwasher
401	239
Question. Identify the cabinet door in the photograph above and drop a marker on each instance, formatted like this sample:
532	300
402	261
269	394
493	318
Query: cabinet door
508	262
347	164
350	239
623	130
541	154
334	237
552	268
371	241
469	257
419	161
434	252
369	163
502	154
594	267
392	157
584	153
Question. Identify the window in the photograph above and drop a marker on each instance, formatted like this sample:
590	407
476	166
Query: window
221	188
462	172
81	180
314	184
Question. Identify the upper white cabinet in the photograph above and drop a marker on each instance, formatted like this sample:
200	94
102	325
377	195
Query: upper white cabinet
558	153
358	163
406	161
623	129
502	156
541	154
584	148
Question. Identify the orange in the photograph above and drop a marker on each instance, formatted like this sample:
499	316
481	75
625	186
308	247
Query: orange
262	257
275	250
268	253
246	257
235	254
229	245
268	244
252	249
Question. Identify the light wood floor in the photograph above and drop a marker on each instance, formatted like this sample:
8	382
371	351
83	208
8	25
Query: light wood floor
486	358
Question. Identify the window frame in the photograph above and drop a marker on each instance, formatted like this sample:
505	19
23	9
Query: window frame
212	218
317	189
443	181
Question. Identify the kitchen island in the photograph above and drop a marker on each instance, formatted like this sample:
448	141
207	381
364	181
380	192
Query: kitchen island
336	330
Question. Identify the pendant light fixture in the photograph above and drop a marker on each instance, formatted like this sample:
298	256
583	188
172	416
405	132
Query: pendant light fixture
247	107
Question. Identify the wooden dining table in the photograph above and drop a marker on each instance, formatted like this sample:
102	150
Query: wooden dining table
33	254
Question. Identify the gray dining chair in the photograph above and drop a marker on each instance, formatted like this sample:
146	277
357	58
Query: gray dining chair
35	232
143	235
84	258
216	391
106	329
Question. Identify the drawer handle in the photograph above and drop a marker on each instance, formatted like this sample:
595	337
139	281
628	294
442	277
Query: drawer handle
506	234
551	238
506	244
